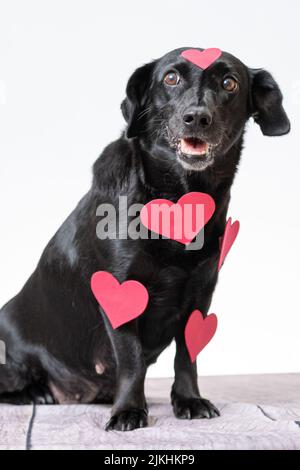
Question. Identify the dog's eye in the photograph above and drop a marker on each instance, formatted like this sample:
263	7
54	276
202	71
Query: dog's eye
230	84
171	78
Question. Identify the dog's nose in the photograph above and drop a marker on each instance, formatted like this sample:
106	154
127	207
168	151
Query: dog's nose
198	117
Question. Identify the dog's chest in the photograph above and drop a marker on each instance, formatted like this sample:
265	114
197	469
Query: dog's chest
177	284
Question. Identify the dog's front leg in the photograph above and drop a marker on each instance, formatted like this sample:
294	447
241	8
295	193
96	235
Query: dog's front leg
129	410
186	400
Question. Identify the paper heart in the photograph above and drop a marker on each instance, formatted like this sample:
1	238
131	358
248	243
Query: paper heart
198	332
230	234
190	214
202	59
120	302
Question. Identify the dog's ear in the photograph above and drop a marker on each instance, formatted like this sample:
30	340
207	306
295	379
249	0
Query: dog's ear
266	104
136	98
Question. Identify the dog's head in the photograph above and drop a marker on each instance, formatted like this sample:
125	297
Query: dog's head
200	114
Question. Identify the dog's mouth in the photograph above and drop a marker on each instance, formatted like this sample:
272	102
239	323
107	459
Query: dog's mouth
194	146
195	153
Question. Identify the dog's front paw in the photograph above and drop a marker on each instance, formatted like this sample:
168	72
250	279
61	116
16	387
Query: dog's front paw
193	408
128	420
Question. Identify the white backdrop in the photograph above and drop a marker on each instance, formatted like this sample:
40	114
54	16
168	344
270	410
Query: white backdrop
63	72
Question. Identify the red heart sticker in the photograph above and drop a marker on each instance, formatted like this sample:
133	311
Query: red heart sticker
198	332
120	302
230	234
181	221
202	59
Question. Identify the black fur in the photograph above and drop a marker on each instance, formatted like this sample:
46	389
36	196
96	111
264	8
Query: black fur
53	329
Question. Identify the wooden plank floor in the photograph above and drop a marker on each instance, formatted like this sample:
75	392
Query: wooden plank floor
257	412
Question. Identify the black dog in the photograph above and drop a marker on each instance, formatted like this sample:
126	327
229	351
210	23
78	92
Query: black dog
185	133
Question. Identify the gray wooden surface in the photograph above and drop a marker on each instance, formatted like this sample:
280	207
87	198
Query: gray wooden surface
257	412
